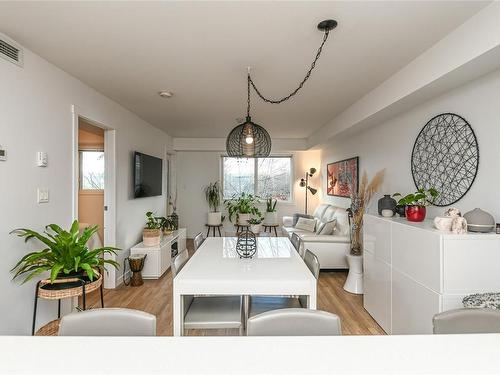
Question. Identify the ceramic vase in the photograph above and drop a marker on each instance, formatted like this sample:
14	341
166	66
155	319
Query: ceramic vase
386	203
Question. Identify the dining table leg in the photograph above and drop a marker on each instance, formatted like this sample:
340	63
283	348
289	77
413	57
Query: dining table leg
178	310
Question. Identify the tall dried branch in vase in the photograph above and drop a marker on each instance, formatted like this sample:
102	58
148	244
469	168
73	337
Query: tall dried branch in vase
360	201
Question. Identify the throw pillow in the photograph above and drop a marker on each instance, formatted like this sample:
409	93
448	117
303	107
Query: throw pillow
306	224
297	216
328	227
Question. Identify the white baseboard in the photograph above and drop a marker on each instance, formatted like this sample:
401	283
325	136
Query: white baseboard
119	280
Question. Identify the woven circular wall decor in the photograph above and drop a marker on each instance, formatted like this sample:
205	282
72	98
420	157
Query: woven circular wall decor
446	157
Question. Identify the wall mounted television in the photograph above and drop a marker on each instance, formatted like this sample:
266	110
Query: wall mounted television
147	175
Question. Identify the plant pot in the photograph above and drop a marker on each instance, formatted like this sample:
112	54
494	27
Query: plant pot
415	213
214	218
167	232
243	219
400	210
354	281
271	218
255	228
151	237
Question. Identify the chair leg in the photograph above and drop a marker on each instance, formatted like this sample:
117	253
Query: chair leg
218	228
208	232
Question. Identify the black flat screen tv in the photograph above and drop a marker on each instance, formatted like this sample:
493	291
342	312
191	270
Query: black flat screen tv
147	175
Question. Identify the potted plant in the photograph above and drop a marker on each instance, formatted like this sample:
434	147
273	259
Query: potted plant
255	224
243	207
65	254
151	234
415	204
167	225
271	216
213	194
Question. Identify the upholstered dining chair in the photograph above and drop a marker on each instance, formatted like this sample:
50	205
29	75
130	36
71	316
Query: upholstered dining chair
108	322
198	240
260	304
467	320
210	312
294	322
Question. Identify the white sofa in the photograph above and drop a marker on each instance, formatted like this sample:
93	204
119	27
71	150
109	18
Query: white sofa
331	250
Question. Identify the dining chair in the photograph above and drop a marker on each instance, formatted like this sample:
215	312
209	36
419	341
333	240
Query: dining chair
467	320
179	261
210	312
108	322
295	239
260	304
198	240
294	322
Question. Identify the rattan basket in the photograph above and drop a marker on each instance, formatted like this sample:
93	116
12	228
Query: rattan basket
67	287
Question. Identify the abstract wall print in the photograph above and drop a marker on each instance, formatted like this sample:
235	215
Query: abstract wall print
342	177
445	157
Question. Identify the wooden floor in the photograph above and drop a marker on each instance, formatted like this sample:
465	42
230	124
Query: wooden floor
155	297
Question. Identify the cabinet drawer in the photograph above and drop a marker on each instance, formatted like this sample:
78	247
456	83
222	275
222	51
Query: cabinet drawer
377	290
417	253
377	237
413	306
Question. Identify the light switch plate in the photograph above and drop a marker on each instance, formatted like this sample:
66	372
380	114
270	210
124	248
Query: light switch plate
41	159
43	195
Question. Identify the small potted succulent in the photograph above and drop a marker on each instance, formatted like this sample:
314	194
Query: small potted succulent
415	203
243	207
271	216
151	234
213	194
255	224
167	225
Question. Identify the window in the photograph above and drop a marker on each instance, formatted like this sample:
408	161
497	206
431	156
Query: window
265	177
92	170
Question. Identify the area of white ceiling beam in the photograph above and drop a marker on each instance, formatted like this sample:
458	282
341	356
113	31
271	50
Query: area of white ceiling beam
469	51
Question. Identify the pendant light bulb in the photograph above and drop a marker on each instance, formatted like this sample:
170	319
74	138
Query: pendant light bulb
249	140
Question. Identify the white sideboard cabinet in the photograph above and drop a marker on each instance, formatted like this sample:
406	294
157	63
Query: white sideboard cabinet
412	271
158	258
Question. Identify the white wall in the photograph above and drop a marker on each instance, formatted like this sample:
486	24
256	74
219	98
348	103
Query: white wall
195	169
389	145
35	107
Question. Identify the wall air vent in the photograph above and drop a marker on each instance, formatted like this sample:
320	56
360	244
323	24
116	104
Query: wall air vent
10	51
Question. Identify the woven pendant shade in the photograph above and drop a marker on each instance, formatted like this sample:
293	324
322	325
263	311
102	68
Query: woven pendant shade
237	143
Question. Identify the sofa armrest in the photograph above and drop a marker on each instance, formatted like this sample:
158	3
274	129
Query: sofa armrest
287	221
330	238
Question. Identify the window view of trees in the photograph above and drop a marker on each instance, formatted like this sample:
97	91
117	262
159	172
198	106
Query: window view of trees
91	170
265	177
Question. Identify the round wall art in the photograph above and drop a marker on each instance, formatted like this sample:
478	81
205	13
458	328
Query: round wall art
446	157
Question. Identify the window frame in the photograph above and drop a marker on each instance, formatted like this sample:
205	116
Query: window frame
256	176
80	169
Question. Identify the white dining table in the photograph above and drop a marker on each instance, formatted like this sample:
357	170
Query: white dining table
216	269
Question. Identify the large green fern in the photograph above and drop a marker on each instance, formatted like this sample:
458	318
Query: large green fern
65	252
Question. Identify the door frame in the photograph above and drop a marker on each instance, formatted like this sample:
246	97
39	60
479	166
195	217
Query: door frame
109	182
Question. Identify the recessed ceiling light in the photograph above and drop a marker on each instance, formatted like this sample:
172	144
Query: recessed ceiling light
166	94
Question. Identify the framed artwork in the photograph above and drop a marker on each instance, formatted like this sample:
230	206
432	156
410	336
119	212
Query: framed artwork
342	176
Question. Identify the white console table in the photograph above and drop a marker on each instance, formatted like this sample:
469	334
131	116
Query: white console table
158	258
412	271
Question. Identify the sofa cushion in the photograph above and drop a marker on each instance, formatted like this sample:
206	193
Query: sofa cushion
320	210
327	228
342	222
329	214
296	218
306	224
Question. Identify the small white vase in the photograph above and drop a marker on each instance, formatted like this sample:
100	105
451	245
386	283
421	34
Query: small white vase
243	219
271	218
354	281
255	228
214	218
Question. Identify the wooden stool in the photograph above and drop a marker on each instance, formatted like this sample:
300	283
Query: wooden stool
218	226
241	227
271	226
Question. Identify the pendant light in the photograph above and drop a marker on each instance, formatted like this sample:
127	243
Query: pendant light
251	140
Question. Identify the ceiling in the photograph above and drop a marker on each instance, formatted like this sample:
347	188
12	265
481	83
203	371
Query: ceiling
200	50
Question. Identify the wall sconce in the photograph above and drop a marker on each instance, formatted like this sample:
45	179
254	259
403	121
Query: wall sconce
304	182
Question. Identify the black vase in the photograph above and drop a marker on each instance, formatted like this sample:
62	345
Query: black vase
386	203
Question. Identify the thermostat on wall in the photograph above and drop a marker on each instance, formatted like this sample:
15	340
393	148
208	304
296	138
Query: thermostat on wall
3	154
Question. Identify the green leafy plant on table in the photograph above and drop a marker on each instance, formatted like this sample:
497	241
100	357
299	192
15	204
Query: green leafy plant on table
65	253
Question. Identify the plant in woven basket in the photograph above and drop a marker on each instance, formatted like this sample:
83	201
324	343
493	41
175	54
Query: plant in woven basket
360	201
151	234
65	253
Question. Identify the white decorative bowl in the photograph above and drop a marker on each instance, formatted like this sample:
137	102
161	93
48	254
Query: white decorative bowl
387	213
